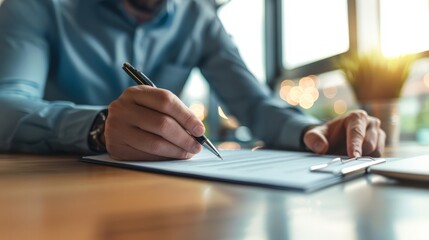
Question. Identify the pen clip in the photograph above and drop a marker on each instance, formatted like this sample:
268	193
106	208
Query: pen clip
137	76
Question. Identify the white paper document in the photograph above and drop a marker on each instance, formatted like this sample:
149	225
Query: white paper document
270	168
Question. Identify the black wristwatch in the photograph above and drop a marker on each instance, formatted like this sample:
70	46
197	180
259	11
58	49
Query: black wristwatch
97	130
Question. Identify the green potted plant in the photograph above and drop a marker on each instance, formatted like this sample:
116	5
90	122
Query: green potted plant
377	82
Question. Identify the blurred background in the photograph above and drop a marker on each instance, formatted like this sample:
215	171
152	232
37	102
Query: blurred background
294	46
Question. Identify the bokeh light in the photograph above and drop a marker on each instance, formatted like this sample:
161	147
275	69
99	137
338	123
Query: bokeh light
316	80
426	80
229	146
199	110
304	93
306	82
221	113
284	92
340	107
287	83
306	101
330	92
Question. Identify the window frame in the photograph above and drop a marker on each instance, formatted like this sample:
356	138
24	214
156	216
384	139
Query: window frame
275	71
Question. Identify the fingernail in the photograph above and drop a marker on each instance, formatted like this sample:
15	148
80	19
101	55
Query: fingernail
198	131
318	146
189	155
196	148
356	153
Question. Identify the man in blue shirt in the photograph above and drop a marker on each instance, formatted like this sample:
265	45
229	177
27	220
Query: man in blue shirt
61	66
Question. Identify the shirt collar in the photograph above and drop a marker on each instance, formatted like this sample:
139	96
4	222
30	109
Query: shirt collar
165	13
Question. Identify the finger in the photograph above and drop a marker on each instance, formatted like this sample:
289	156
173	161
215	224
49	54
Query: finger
356	124
127	153
316	141
166	102
371	137
164	126
379	150
156	145
157	123
143	141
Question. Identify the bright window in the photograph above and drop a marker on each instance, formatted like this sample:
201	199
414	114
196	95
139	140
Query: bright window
247	31
404	26
313	30
244	20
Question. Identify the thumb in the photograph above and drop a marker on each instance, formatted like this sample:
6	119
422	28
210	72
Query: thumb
315	140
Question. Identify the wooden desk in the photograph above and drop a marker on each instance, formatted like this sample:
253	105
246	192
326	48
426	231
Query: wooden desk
59	197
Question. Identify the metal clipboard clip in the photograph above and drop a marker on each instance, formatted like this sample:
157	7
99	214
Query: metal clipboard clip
342	167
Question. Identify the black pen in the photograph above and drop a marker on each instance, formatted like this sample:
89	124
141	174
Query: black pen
142	79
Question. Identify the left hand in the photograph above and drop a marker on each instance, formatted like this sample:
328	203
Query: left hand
354	134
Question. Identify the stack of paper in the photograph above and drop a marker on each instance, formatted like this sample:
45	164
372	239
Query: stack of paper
278	169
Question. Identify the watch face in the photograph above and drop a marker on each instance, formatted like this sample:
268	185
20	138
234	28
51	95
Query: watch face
95	135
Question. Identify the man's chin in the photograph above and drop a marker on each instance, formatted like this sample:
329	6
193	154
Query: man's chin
136	4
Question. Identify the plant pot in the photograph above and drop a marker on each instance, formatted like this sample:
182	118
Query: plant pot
388	113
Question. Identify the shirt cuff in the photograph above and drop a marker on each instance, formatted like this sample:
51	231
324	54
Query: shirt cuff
75	128
292	132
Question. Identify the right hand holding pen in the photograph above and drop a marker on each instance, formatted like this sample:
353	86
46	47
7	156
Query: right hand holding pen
147	123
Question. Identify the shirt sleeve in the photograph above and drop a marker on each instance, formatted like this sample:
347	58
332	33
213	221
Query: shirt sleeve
27	122
277	124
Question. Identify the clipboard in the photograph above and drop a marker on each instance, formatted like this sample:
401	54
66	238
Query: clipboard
343	167
302	171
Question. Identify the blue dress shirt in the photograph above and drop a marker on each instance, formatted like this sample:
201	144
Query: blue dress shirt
61	64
